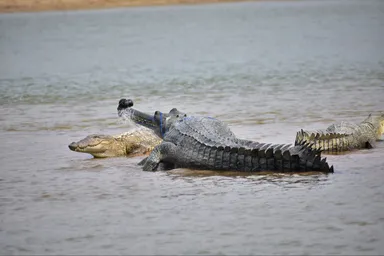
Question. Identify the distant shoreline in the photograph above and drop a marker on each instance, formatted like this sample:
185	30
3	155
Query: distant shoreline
11	6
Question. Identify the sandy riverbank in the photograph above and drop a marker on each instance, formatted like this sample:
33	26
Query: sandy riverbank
47	5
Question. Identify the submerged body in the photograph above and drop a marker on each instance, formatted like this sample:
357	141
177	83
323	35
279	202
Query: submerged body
136	142
345	136
207	143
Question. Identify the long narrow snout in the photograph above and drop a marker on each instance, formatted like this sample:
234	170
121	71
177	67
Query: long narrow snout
73	146
126	111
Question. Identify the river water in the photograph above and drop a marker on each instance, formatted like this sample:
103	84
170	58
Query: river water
267	69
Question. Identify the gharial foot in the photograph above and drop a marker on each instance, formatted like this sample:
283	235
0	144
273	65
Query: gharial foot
150	166
160	154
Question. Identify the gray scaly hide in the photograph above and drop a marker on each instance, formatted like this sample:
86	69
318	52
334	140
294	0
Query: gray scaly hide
207	143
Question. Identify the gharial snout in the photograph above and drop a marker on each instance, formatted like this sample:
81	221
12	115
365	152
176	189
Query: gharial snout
73	146
125	103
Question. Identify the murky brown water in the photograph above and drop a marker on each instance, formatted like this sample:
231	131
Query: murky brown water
268	69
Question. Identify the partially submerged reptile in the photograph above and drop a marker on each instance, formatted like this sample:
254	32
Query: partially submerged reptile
135	142
199	142
345	136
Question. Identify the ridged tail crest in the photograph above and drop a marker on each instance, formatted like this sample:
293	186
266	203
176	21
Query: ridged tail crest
310	157
326	141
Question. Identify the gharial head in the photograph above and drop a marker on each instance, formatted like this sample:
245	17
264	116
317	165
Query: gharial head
98	145
159	122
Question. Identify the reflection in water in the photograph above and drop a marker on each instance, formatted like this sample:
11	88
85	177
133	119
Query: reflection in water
268	69
291	180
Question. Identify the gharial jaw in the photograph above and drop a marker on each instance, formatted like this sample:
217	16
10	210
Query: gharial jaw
99	146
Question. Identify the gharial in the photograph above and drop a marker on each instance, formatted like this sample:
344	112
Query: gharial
344	136
199	142
136	142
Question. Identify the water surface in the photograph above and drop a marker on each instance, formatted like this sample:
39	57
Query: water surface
267	69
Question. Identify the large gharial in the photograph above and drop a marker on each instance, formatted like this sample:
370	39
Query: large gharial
199	142
344	136
136	142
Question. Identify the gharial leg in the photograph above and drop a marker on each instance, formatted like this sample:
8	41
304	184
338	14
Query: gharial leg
164	151
142	162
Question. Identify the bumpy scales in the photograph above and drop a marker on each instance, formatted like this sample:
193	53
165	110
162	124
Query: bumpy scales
207	143
136	142
345	136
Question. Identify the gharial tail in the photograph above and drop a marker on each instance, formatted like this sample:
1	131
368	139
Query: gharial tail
325	141
310	157
264	157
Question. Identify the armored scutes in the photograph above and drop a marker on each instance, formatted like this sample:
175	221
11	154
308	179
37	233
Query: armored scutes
345	136
136	142
207	143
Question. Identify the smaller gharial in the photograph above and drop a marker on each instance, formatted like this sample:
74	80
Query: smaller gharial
136	142
344	136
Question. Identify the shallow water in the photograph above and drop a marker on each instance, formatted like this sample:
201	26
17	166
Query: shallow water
268	69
